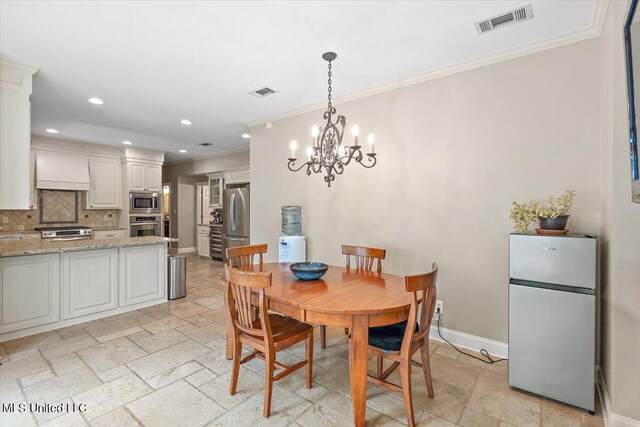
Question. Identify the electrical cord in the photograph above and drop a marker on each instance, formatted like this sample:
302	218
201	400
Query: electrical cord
484	352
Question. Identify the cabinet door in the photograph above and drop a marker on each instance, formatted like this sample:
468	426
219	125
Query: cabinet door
137	176
29	291
15	137
203	245
89	282
154	178
105	184
139	284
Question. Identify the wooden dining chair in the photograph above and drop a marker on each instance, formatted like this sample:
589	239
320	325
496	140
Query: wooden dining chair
365	258
267	335
398	342
242	256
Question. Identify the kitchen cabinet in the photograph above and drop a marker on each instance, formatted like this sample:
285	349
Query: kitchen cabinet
216	185
105	192
203	240
29	291
144	176
15	134
110	234
33	191
89	282
142	274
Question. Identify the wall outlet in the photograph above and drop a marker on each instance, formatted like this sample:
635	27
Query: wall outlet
439	305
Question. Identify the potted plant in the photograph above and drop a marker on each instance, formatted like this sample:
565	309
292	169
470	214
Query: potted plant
552	216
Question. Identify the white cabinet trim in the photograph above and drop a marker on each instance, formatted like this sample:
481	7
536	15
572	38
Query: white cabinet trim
127	267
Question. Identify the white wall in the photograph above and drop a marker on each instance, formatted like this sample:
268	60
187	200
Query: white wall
454	152
621	232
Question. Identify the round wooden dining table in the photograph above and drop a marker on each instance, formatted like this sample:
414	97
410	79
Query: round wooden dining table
346	298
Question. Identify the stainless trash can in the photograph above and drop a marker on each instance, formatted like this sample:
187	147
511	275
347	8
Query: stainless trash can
176	276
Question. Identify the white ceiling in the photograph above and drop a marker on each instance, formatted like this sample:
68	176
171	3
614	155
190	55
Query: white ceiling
155	63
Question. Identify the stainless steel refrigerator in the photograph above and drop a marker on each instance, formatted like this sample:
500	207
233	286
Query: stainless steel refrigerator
552	316
235	218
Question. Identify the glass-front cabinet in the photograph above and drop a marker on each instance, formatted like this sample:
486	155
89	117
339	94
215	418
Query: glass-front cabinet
216	185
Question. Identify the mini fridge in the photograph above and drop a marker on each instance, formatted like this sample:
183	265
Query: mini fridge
292	249
552	316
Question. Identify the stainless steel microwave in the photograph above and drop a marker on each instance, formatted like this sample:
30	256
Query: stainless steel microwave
146	203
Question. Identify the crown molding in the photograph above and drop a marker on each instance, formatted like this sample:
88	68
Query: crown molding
576	36
210	156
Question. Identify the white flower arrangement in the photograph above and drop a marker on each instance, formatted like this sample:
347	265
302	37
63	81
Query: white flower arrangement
526	213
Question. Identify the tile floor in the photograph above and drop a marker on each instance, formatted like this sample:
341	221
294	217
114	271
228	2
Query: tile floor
165	366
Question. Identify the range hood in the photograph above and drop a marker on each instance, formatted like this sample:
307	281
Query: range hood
62	171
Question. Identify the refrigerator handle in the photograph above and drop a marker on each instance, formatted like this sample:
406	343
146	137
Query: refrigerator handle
233	211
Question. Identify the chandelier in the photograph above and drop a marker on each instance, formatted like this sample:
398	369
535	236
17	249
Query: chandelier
327	153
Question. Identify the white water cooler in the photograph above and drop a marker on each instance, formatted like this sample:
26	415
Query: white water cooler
292	249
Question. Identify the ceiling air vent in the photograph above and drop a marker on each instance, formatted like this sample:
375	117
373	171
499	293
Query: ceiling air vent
521	14
261	93
205	144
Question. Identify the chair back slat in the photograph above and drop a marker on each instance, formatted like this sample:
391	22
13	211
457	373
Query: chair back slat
364	257
239	286
242	256
423	287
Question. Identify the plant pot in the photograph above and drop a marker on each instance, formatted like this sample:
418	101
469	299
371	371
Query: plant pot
558	223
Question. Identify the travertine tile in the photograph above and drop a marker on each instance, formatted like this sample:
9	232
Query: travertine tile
71	419
164	324
64	347
108	396
218	388
431	420
119	417
167	407
11	371
285	407
22	354
113	373
190	311
163	360
199	320
67	363
120	334
161	340
207	333
111	354
174	375
471	418
201	377
454	372
59	388
33	341
556	415
333	409
10	392
126	321
390	406
36	378
17	418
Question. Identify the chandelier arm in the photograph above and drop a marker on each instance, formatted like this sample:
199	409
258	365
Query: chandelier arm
292	162
372	160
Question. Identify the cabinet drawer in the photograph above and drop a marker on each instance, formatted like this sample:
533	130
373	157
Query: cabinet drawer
109	234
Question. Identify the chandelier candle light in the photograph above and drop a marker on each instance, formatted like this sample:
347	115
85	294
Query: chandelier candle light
327	151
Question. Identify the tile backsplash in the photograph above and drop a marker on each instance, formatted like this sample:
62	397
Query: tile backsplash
14	220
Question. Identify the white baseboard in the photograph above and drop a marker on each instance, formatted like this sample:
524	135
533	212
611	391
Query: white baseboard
471	342
611	419
186	250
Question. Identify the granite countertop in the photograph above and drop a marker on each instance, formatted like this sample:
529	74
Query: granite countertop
108	228
39	246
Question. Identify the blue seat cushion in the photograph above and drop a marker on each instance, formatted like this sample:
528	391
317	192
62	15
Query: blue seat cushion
389	337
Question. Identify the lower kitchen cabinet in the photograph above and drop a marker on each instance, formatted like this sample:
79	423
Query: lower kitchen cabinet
89	282
29	291
142	274
203	240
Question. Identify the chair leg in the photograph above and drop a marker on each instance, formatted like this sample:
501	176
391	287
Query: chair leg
323	336
405	378
426	367
235	370
308	347
346	331
380	362
269	360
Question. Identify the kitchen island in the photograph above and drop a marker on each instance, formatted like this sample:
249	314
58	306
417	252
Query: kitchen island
47	285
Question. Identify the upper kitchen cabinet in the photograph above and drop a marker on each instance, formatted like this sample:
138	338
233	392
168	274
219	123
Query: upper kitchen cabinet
144	177
216	183
106	188
15	134
143	169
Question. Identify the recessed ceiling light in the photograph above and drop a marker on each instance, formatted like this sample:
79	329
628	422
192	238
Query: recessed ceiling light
126	142
246	135
185	122
96	101
183	151
51	130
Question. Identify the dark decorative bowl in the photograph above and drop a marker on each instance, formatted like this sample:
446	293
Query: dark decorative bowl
308	270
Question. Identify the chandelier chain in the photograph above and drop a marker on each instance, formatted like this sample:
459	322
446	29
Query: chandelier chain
329	81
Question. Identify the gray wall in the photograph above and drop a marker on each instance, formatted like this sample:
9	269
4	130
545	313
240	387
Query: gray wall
453	153
620	322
